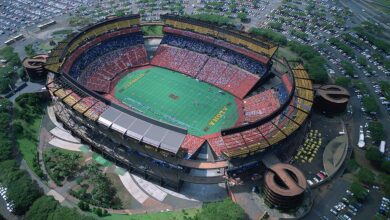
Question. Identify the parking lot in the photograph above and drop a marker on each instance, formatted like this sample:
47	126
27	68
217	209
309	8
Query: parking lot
20	14
332	194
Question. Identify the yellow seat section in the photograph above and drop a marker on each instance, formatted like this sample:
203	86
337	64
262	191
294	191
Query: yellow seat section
236	152
71	99
258	146
278	136
301	117
289	127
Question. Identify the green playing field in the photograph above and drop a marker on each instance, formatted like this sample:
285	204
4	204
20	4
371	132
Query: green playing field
178	99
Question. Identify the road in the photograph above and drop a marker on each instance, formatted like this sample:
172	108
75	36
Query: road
364	11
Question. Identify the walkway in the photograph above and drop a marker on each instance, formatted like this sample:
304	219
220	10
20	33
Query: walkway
203	165
133	188
65	144
60	133
150	188
50	112
335	153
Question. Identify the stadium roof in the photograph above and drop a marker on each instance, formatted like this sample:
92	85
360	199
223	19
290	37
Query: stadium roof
142	130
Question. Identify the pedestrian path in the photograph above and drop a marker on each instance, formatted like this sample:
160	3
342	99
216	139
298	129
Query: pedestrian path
53	119
60	133
65	144
132	187
56	195
175	194
150	188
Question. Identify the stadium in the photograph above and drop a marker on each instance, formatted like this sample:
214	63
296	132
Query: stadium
210	103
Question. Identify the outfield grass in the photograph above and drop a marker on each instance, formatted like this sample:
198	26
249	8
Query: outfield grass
178	99
178	215
28	146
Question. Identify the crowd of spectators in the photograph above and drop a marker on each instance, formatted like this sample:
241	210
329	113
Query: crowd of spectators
97	66
260	105
212	50
103	48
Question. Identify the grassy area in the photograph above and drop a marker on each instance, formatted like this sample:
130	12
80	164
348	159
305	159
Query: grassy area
61	164
60	32
152	30
28	146
382	5
101	160
125	197
155	216
177	99
45	46
287	53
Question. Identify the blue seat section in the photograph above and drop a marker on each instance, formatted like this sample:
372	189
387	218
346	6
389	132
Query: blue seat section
282	93
104	47
212	50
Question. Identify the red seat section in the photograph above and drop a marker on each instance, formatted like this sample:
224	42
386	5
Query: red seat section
191	144
260	105
228	77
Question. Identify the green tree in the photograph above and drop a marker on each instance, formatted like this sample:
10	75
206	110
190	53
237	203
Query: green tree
362	60
385	87
386	184
348	67
269	34
20	72
23	192
120	13
29	50
366	176
342	81
225	210
217	19
275	25
377	130
83	206
359	191
42	208
8	170
5	84
65	213
5	105
99	212
369	103
18	128
314	63
243	16
374	156
352	165
5	149
385	166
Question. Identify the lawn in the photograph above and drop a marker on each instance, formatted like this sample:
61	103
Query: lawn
382	5
287	53
28	146
101	160
178	215
61	32
178	99
152	30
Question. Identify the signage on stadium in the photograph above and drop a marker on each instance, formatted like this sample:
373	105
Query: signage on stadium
218	116
134	80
